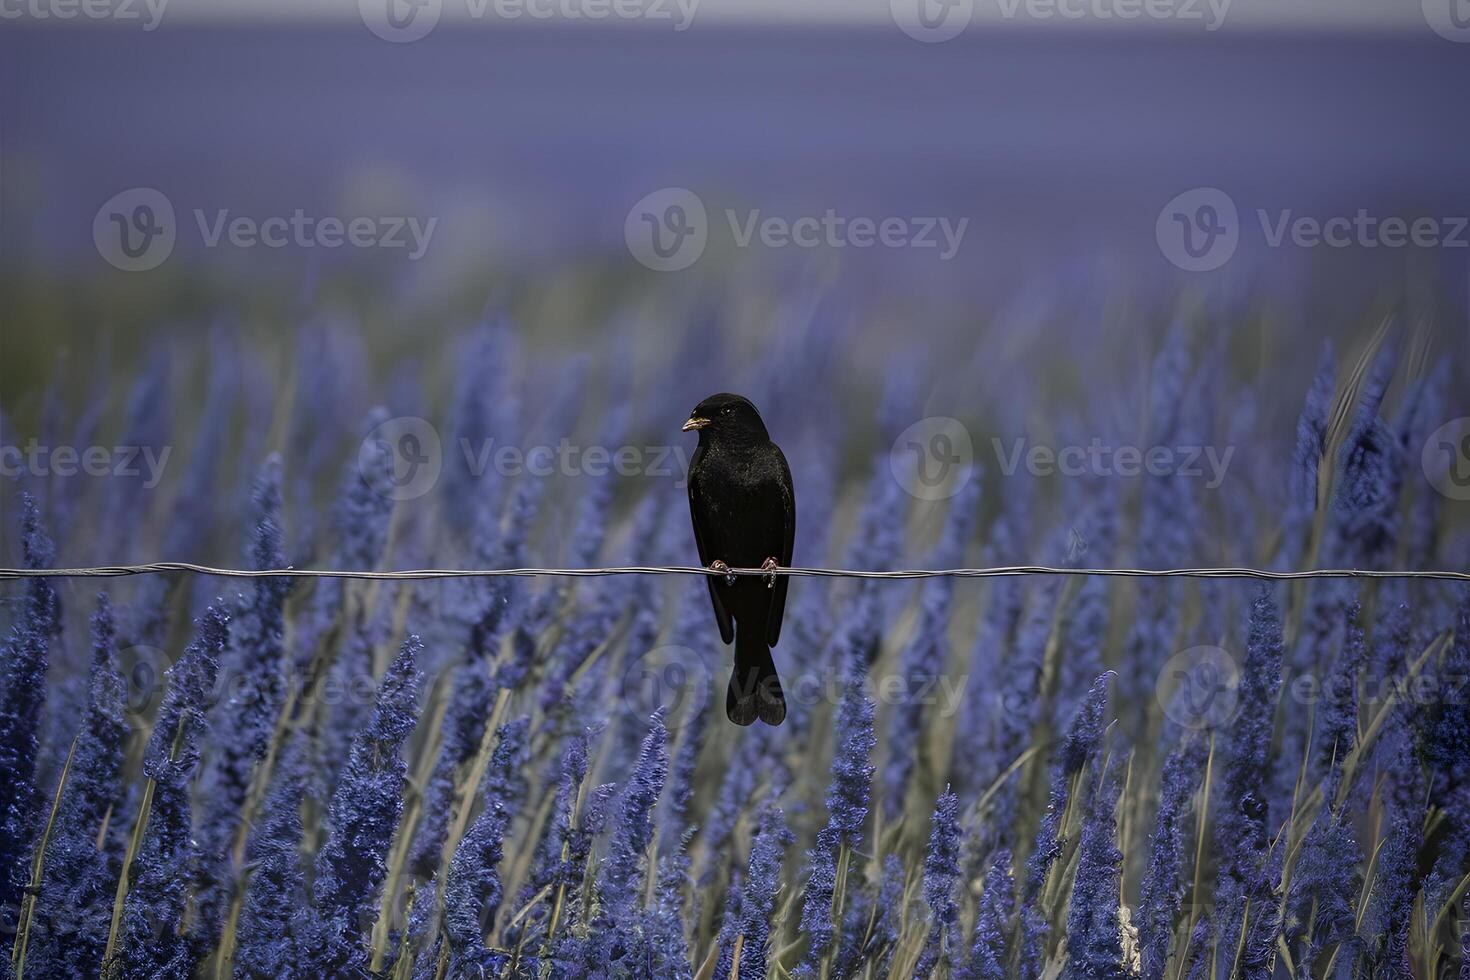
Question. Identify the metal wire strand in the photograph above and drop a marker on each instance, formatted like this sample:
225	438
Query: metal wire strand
1000	571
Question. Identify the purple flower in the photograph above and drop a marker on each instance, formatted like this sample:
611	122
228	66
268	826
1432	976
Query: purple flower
1325	883
1163	886
73	910
764	881
484	414
362	817
472	890
23	662
471	699
1445	724
1311	443
621	878
871	926
1019	707
1337	714
146	424
362	511
1078	747
941	873
255	689
922	665
152	940
847	808
1363	523
1094	934
997	904
274	919
1240	828
1240	797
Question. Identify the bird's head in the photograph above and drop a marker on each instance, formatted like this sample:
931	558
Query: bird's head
727	416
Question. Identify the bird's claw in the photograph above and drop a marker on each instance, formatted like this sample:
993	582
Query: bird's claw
769	566
719	566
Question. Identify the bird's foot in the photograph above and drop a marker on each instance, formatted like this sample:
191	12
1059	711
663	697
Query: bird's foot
769	566
719	566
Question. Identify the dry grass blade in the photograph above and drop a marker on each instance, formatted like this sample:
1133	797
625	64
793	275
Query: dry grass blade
38	865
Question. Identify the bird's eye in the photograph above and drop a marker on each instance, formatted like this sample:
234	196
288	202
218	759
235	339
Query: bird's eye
726	411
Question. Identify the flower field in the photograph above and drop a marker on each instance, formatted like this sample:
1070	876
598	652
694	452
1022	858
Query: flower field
1039	776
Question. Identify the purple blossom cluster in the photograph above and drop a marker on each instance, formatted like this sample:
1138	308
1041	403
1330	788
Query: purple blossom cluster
431	780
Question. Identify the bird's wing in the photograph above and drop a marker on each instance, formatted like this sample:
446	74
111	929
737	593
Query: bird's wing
696	506
788	540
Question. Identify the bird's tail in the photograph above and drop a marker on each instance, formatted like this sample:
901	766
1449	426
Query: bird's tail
755	689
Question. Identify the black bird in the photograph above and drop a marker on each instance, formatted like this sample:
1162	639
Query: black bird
744	511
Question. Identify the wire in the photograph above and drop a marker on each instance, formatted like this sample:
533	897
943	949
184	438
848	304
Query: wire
1002	571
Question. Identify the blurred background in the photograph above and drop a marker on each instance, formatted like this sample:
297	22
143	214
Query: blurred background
665	189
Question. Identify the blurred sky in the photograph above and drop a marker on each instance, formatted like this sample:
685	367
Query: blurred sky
531	146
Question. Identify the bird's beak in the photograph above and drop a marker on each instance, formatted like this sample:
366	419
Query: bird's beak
694	423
